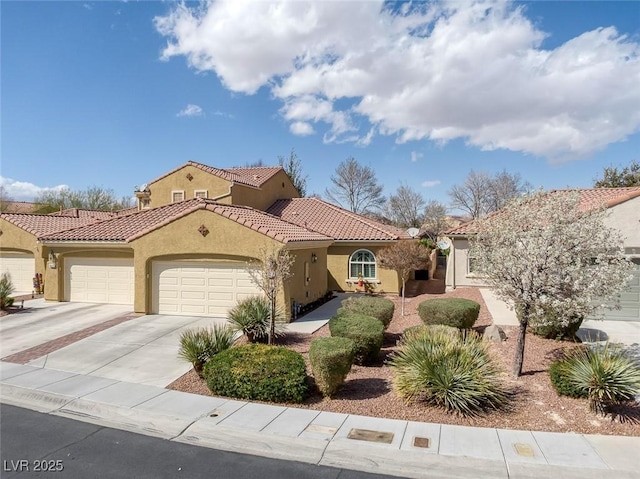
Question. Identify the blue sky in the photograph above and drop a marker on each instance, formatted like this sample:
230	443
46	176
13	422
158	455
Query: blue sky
115	94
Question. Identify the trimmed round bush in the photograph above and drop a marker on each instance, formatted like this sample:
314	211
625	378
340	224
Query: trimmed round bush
331	360
457	312
366	332
379	308
449	369
259	372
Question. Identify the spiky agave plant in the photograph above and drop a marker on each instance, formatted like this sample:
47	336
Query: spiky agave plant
452	371
251	317
197	346
604	373
6	290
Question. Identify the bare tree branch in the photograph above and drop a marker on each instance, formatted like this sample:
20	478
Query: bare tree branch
355	187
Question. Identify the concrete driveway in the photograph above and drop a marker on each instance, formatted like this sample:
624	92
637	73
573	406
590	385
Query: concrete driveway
143	350
43	321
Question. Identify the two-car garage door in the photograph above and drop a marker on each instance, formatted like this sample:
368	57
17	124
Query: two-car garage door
199	289
629	298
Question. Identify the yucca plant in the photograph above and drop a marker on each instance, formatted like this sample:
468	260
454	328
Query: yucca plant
251	317
6	290
452	371
198	346
604	373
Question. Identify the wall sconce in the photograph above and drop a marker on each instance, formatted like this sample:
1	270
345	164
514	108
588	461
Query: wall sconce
53	260
314	257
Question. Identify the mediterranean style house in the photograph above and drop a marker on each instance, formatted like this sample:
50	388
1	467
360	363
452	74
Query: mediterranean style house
623	206
188	247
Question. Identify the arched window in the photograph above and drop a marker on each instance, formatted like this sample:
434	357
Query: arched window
362	263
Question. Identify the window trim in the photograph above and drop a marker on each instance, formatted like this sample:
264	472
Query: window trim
195	193
374	263
173	192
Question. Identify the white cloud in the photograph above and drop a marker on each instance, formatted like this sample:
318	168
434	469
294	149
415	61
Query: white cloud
430	183
24	191
224	114
191	110
433	71
415	156
301	128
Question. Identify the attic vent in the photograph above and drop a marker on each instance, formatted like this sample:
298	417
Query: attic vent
189	176
203	230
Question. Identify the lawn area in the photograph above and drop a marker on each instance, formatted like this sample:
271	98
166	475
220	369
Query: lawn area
535	405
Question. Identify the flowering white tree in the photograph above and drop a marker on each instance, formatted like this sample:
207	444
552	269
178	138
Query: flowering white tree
545	252
269	273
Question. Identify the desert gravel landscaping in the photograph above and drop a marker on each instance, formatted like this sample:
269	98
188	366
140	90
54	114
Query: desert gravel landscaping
535	404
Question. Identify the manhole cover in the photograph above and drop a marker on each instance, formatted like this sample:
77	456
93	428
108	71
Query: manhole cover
421	442
371	436
321	429
523	449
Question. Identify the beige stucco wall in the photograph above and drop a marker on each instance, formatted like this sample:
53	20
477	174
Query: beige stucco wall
17	240
338	269
278	187
457	266
626	218
177	181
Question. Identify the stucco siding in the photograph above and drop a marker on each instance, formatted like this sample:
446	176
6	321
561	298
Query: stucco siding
338	269
161	190
277	187
458	266
625	217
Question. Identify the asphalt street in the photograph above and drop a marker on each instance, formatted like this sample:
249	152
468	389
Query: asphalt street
33	444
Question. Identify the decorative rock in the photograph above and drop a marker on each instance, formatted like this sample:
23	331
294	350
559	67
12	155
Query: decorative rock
494	333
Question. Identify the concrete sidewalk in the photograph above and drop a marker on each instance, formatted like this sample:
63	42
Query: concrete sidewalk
403	448
317	318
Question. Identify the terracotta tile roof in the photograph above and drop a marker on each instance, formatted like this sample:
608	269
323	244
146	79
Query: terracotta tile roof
333	221
130	227
590	198
82	213
40	225
251	176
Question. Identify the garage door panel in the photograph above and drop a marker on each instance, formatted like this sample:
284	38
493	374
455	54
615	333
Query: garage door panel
209	290
99	280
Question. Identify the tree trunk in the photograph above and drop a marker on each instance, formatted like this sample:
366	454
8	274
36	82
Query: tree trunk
272	320
519	359
403	281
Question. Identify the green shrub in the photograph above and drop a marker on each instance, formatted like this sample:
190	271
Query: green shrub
560	380
251	317
6	290
603	373
551	327
452	371
379	308
258	372
197	346
331	360
457	312
366	332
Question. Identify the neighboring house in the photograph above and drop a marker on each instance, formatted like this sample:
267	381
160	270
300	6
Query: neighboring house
189	245
623	206
18	206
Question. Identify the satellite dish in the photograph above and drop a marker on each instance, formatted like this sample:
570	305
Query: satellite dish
413	232
143	186
443	244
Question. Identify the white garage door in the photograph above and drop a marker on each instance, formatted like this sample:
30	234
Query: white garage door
21	267
200	289
99	280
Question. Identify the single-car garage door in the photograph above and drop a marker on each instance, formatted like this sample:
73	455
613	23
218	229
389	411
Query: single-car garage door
199	289
99	280
21	267
629	299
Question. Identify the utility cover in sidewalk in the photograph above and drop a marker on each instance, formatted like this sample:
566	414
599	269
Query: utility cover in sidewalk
421	442
371	436
523	449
